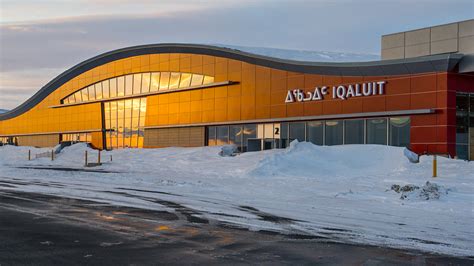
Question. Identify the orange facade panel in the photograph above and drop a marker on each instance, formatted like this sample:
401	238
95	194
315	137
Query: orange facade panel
259	92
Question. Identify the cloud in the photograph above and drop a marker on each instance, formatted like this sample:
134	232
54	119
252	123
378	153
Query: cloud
18	86
62	42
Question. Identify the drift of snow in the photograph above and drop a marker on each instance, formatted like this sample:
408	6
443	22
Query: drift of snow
341	193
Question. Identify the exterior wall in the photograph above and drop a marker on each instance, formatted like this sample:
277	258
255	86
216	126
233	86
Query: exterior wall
174	137
448	38
259	94
41	141
97	140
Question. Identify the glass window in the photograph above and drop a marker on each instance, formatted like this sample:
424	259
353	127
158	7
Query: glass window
462	120
297	131
105	89
155	81
85	95
462	151
128	84
136	107
208	79
354	131
268	131
462	103
334	133
471	112
283	135
211	136
142	112
120	86
222	135
400	131
185	80
164	81
196	80
137	83
377	131
462	128
128	108
98	91
249	132
314	132
113	88
134	84
235	136
120	109
78	96
91	90
72	99
127	131
146	83
113	115
174	81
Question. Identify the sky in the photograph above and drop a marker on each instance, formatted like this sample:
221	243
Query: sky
39	39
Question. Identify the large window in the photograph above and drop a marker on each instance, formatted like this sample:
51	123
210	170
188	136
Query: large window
235	135
250	132
354	131
399	134
77	137
463	118
222	135
211	136
283	135
125	122
314	132
136	84
334	133
297	131
98	91
377	131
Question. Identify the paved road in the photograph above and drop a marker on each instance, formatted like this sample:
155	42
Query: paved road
39	229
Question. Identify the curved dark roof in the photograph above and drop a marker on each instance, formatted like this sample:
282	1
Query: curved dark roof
442	62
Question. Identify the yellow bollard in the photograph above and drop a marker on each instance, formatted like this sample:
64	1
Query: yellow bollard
435	166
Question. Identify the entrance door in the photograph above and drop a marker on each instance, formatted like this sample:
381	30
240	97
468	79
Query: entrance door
268	144
254	145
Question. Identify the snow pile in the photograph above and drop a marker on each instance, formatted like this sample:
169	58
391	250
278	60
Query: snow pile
228	150
303	159
411	156
337	192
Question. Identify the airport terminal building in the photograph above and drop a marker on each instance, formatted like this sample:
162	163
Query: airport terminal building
420	95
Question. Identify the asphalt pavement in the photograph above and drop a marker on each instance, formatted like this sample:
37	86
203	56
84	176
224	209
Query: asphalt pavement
37	229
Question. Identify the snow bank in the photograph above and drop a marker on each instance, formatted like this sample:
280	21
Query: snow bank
339	192
303	159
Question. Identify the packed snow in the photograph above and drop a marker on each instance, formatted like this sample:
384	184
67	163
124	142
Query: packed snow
365	194
305	55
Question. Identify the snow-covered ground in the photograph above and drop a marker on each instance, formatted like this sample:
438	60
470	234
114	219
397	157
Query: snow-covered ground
340	193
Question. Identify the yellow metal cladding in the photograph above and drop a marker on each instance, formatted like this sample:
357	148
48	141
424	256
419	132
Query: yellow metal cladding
259	94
